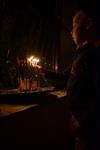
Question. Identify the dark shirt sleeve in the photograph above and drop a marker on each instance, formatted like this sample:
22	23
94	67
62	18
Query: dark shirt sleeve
78	88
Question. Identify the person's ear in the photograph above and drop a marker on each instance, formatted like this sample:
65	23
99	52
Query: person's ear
89	23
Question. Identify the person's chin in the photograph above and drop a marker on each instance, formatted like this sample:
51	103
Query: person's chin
76	43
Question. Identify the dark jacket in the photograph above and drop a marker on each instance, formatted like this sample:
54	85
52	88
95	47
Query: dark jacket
83	87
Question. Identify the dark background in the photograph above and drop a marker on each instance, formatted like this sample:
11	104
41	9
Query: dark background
39	28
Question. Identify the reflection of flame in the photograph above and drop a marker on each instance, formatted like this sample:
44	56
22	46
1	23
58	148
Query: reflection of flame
33	61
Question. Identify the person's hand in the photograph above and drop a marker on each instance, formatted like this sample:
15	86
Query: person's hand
73	125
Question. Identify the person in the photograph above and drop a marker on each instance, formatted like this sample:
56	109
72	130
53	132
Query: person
83	85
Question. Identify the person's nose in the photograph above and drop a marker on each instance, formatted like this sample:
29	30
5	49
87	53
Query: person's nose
71	32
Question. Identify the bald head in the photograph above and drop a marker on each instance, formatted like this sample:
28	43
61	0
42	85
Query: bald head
83	28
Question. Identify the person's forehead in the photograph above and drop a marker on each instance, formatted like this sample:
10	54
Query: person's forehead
79	17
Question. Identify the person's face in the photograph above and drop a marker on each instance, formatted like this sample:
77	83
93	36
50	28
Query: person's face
75	31
79	28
